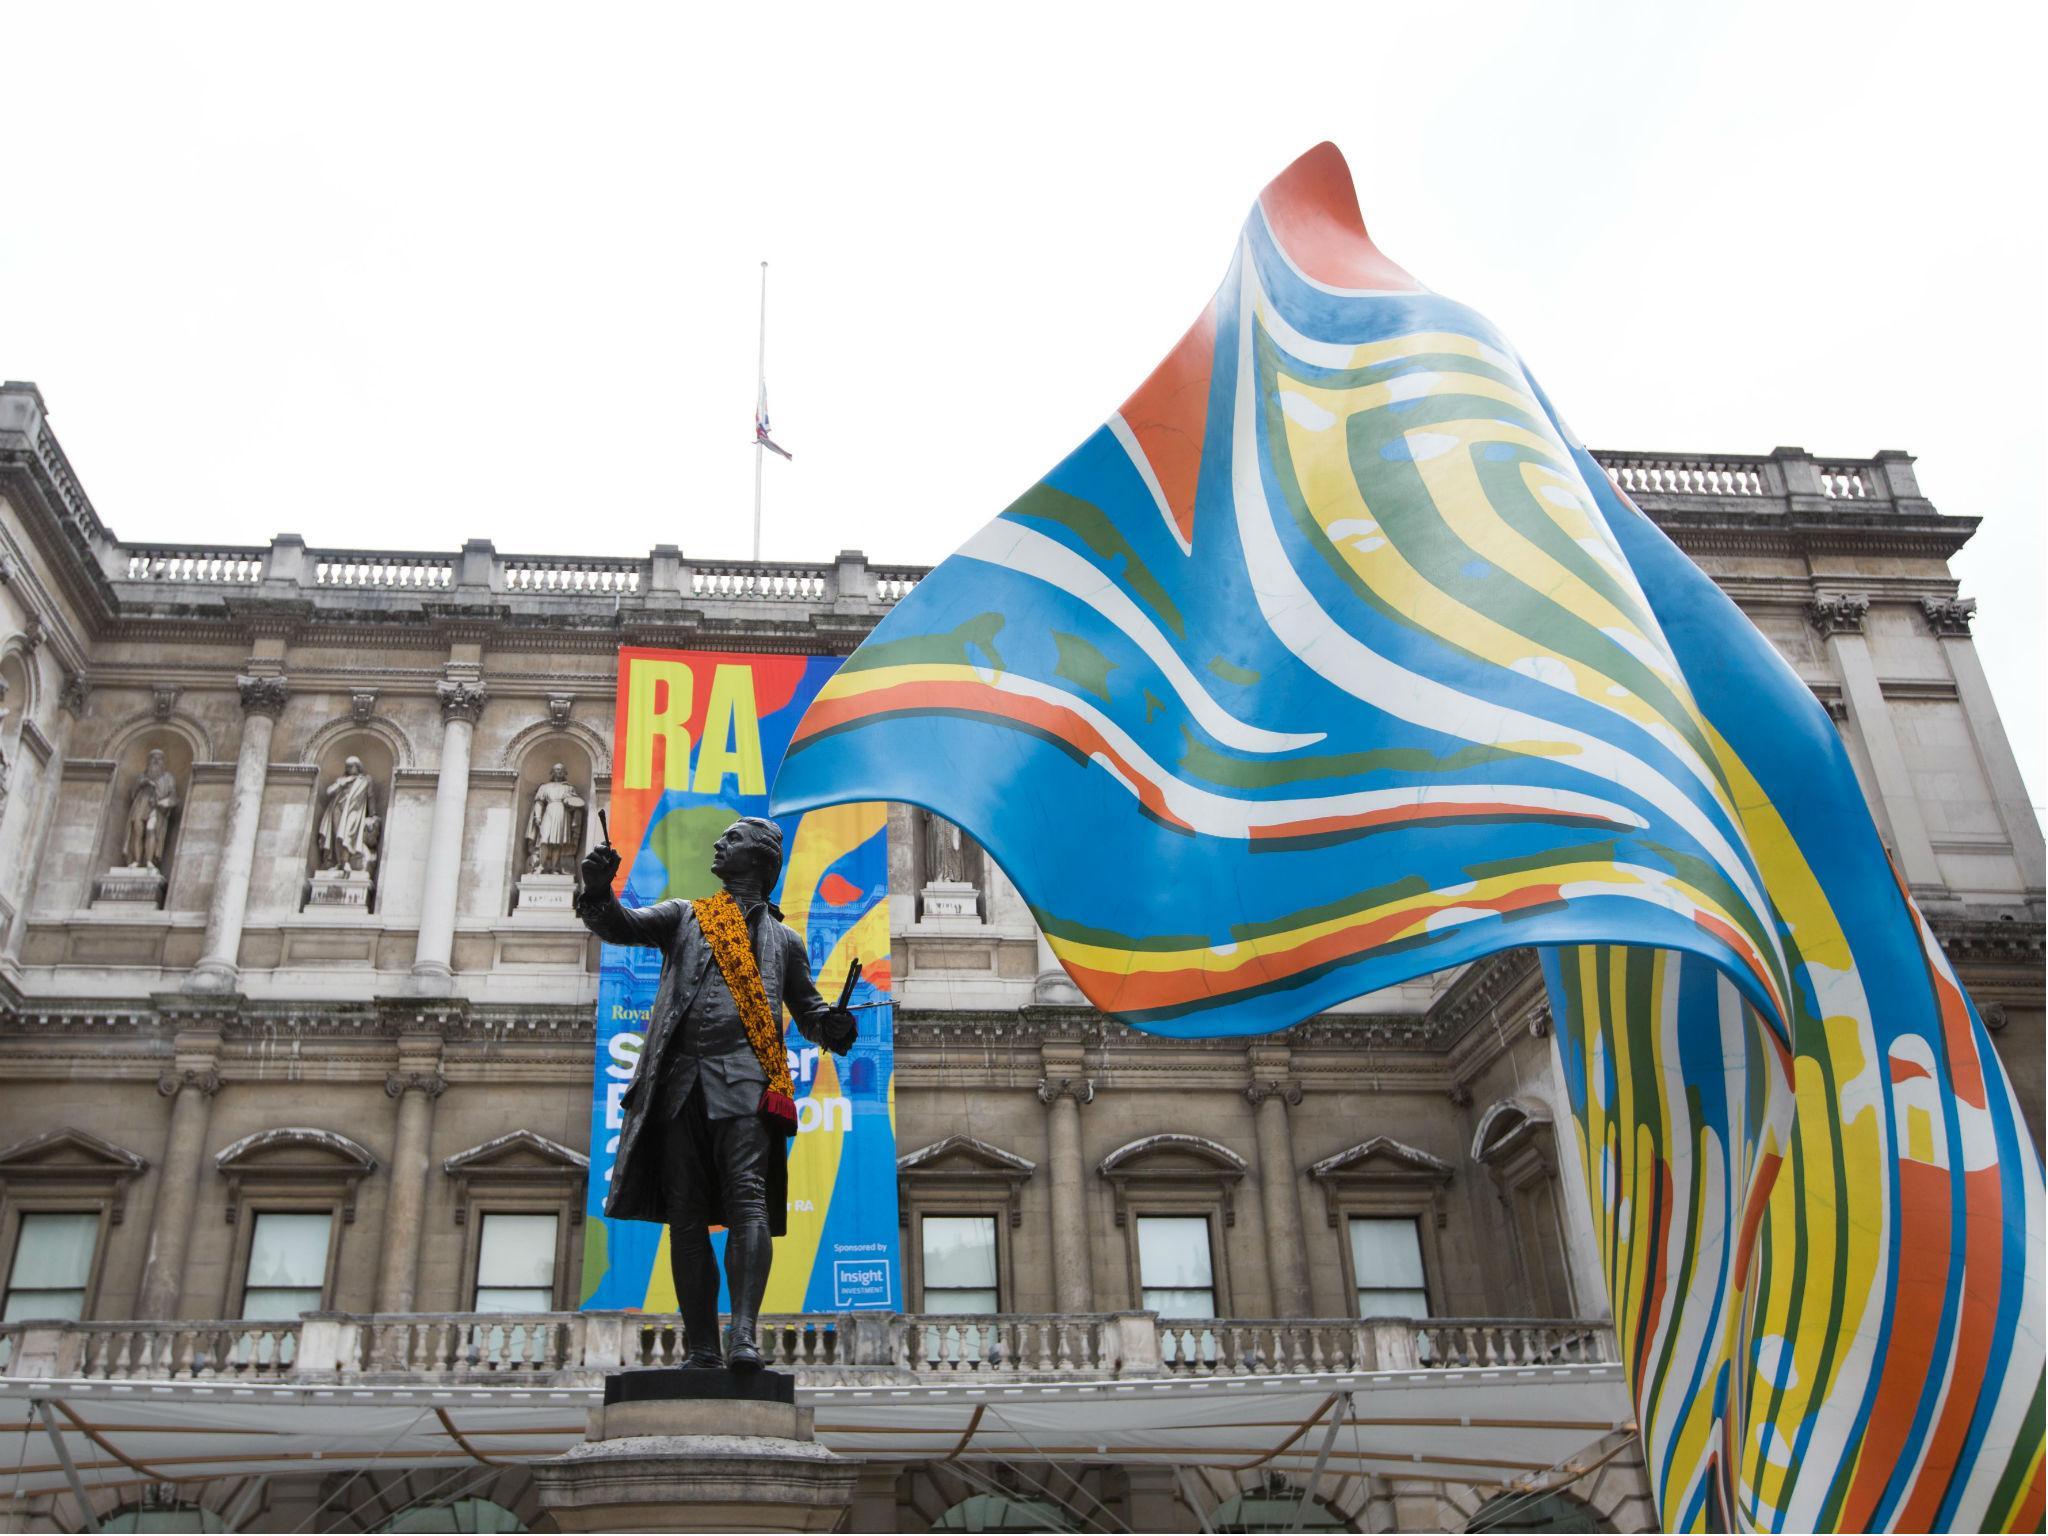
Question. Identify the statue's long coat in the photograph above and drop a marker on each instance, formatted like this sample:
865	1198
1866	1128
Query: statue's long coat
671	926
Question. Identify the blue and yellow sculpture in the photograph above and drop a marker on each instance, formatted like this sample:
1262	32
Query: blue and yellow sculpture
1355	666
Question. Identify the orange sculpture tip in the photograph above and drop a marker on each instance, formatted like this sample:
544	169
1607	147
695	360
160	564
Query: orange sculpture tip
1312	210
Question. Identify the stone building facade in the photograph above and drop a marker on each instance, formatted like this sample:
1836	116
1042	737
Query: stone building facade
208	1014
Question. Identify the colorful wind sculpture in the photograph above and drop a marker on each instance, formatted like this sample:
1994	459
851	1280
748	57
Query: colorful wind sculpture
1332	660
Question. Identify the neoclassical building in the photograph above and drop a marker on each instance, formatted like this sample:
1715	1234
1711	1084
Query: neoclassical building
296	1042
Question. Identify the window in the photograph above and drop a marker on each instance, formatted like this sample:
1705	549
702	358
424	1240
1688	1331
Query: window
959	1263
515	1263
52	1263
1386	1266
1175	1271
287	1271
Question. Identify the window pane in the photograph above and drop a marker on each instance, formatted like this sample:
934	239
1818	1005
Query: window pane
960	1251
509	1298
1393	1303
1173	1252
54	1251
1386	1253
516	1251
290	1249
68	1305
1180	1303
959	1299
269	1304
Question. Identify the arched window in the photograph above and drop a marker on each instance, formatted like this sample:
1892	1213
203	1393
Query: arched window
462	1515
163	1517
1002	1512
1539	1512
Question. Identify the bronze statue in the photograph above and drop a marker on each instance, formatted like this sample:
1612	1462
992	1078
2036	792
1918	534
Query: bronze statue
711	1101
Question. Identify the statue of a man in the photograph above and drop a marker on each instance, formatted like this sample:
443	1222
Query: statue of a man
948	853
711	1101
554	827
348	822
149	813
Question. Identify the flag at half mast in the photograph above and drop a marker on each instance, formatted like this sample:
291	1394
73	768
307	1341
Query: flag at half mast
1332	660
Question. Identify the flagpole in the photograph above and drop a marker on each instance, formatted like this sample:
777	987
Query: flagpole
760	390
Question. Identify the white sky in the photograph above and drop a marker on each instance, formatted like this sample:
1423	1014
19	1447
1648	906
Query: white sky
404	276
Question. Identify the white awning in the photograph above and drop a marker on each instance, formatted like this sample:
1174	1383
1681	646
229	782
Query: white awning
1479	1426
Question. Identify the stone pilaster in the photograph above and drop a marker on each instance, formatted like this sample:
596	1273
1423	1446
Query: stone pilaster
415	1085
1063	1090
1271	1093
1950	618
1839	617
263	700
190	1084
433	971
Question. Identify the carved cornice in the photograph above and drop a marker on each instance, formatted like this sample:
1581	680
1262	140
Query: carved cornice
461	700
1839	613
1949	615
263	695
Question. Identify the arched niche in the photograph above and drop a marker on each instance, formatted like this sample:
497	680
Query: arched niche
379	756
181	746
532	758
17	700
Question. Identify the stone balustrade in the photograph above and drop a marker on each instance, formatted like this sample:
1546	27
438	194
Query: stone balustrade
287	568
562	1347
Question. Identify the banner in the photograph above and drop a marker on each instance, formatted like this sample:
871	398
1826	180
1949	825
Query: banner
699	736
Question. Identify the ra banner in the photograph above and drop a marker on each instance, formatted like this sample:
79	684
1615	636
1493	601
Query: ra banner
699	738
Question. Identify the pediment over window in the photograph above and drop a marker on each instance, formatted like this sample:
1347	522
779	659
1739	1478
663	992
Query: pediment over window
1516	1141
1173	1166
961	1166
965	1152
73	1161
295	1160
1382	1173
518	1162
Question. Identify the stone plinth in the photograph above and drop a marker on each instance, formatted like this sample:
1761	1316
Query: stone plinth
340	888
680	1450
951	899
545	895
130	885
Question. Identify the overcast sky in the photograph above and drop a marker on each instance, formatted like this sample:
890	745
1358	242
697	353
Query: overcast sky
405	276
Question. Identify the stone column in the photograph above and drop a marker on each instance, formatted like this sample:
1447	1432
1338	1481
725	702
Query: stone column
1839	618
874	1496
1950	618
416	1085
1271	1093
190	1085
432	971
263	700
1063	1090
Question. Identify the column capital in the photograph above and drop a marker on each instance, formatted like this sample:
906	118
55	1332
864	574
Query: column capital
398	1084
461	700
1080	1089
1838	613
262	695
77	690
203	1081
1948	616
1259	1092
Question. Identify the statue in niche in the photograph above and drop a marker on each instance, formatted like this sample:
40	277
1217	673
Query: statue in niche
554	826
349	824
149	813
950	857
